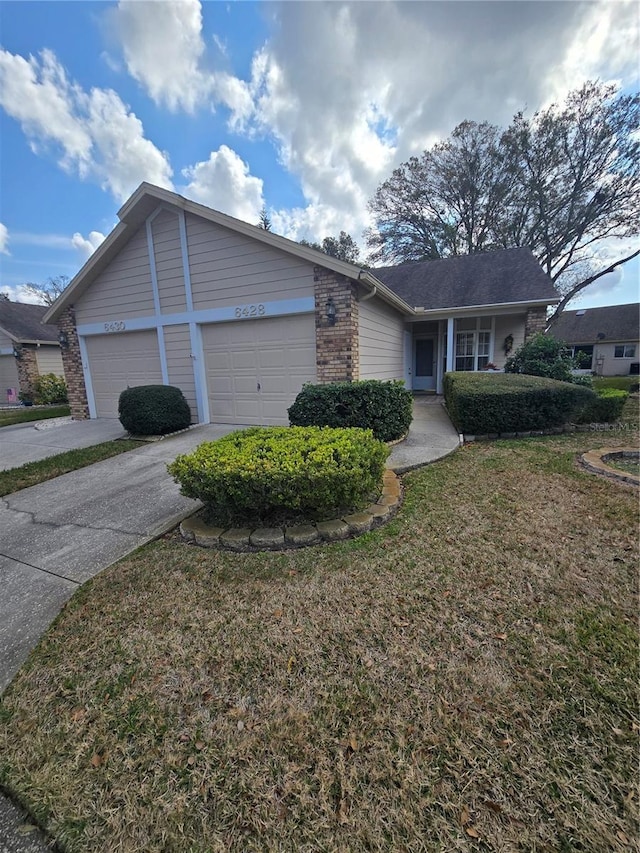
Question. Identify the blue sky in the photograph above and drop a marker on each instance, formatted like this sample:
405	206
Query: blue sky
304	107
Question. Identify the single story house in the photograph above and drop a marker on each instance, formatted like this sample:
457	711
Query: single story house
609	337
28	349
240	318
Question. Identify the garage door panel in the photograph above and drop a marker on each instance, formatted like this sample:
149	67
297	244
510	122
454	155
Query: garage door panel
277	353
121	361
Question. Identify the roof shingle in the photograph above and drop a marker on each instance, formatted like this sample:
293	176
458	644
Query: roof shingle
490	278
22	322
590	325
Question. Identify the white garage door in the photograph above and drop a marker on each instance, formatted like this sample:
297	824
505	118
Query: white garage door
255	368
8	376
121	361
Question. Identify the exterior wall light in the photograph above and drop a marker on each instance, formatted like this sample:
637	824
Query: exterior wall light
63	339
331	312
17	351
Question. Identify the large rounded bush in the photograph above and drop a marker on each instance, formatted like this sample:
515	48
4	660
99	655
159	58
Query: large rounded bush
265	473
153	410
386	408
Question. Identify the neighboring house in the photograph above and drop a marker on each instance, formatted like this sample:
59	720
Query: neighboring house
609	337
240	318
28	349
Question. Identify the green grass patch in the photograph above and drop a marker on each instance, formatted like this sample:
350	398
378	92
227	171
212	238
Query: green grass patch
54	466
622	383
8	417
466	674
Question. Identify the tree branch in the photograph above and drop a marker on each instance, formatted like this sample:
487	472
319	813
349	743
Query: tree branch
578	287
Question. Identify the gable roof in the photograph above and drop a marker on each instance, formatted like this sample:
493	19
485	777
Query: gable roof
146	199
23	323
506	277
590	325
490	278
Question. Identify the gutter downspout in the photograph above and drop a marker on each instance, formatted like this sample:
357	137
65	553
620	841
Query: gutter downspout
372	293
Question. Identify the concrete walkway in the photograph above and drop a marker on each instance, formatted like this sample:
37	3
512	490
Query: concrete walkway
57	535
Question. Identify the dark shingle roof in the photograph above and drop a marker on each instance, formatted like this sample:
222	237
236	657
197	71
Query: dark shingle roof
22	322
508	275
589	325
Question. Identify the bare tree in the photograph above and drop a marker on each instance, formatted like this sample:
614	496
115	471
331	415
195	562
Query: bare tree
49	290
560	183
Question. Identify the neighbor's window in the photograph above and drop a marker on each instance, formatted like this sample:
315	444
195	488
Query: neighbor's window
625	351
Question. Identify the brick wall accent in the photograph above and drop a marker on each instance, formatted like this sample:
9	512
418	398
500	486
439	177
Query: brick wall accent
72	363
336	346
535	322
28	372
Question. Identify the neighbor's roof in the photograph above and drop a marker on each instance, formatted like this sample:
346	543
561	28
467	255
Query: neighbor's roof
490	278
23	323
590	325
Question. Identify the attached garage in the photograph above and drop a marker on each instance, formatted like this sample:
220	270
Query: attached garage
120	361
8	376
255	368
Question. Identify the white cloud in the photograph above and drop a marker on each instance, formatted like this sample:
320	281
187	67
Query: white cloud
96	134
348	91
87	245
18	293
4	239
165	52
225	183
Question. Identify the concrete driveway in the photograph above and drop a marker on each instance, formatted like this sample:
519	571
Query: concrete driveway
60	533
22	443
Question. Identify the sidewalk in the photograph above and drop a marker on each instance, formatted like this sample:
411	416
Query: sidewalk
57	535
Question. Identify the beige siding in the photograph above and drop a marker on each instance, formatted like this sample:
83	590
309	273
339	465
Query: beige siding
49	360
8	376
5	340
380	341
512	324
123	289
612	366
230	269
121	361
168	259
177	345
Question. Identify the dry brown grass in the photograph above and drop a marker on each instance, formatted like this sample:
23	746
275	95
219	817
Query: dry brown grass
464	678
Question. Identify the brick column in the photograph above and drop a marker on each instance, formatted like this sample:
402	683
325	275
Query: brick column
535	322
72	363
28	372
337	358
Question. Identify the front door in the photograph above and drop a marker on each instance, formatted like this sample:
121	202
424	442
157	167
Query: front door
424	374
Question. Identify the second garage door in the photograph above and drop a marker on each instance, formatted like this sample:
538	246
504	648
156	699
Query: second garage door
121	361
255	368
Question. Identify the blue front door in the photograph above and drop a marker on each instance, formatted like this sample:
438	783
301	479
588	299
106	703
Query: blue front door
424	378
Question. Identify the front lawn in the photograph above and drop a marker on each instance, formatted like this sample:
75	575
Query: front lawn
463	678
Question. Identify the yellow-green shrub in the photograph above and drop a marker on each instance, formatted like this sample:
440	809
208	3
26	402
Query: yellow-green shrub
265	472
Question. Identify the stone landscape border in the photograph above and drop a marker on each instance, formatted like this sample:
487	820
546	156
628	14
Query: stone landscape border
241	539
595	461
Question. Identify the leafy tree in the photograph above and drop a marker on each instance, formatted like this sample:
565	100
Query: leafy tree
49	290
265	220
343	247
558	183
542	355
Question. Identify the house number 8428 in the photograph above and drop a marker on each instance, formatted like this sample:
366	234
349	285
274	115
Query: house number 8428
250	311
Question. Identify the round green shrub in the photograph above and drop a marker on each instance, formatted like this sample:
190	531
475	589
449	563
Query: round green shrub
386	408
265	473
153	410
50	388
606	407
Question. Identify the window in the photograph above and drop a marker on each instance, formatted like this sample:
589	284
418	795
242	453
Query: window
625	351
473	343
583	355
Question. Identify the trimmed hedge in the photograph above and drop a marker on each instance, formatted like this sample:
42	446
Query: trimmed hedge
386	408
481	403
606	407
261	473
153	410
